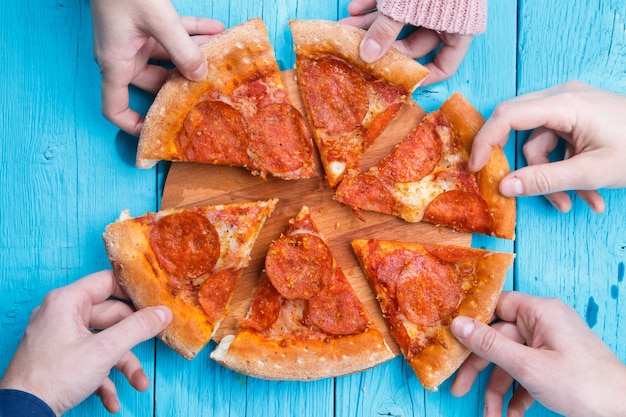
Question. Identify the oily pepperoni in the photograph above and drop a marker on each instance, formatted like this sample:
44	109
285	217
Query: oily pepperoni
186	245
336	91
214	131
463	211
215	292
389	268
367	192
336	309
280	140
379	124
415	157
428	290
299	265
265	308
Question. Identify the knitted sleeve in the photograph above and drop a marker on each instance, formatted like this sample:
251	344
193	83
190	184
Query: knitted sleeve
468	17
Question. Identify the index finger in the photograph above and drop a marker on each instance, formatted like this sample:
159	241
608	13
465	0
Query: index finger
99	286
510	303
115	107
521	113
379	38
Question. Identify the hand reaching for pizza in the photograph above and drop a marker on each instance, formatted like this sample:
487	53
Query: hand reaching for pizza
586	117
62	361
549	350
127	34
382	32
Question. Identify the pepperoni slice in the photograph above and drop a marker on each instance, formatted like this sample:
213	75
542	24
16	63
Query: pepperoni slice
299	265
214	132
463	211
379	124
215	293
265	308
390	267
336	309
367	192
186	245
415	157
336	91
428	290
280	139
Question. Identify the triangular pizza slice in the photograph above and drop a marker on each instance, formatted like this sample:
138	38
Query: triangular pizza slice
421	288
348	102
305	322
188	259
426	178
239	115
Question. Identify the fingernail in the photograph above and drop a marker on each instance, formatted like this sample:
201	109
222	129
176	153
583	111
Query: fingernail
370	50
199	73
462	327
512	187
163	315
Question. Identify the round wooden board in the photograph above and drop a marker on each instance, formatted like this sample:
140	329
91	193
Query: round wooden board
191	184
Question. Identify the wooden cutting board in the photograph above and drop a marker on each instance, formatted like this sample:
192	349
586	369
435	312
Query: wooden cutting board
192	184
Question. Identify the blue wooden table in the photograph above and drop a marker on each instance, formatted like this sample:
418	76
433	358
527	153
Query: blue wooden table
66	172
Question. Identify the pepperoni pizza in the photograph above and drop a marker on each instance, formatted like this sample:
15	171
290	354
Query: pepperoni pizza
188	259
239	115
305	322
348	102
421	288
425	177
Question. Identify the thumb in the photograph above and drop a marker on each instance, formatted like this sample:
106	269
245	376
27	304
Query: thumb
185	54
487	342
379	38
134	329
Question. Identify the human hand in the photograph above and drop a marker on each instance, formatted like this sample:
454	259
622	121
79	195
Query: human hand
61	361
586	117
127	33
383	31
549	350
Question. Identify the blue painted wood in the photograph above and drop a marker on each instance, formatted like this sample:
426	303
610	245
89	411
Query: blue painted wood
66	173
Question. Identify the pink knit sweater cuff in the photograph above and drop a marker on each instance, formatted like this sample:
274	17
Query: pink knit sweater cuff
468	17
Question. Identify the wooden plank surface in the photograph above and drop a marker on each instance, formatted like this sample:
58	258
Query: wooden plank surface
191	184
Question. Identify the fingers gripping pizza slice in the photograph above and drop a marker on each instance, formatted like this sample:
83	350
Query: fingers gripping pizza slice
305	322
188	259
239	115
348	102
421	288
425	178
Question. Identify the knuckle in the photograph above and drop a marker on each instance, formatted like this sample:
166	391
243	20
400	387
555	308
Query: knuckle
502	110
542	183
487	341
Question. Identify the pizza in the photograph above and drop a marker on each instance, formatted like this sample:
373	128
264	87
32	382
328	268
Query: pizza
305	321
425	177
421	288
239	115
188	259
348	102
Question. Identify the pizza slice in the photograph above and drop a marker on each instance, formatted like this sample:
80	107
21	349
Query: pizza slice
425	177
348	102
421	288
188	259
305	322
239	115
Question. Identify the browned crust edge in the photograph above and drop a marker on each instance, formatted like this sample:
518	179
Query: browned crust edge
465	119
322	37
251	354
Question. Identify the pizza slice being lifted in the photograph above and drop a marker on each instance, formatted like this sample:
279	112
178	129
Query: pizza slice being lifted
238	115
348	102
421	288
305	322
188	259
426	178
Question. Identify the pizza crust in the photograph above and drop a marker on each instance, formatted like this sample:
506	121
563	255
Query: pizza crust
251	354
322	38
232	57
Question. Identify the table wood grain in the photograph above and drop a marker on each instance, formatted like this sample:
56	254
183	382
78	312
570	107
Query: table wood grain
66	173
